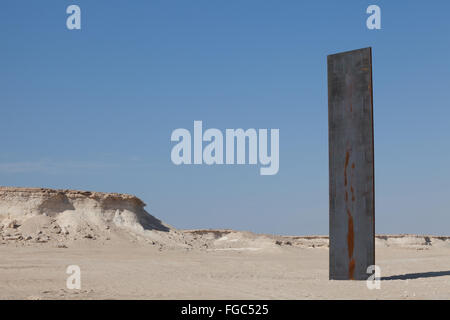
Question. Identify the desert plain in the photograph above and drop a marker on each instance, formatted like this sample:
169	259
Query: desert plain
125	253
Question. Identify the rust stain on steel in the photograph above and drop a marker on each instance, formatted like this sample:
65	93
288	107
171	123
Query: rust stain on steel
347	157
351	269
350	110
350	228
350	235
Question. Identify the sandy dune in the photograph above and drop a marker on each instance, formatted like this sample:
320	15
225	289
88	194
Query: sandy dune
125	253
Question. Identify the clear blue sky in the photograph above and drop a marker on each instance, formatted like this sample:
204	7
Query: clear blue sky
94	109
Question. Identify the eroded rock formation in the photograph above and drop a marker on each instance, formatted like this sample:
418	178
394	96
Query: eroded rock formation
43	214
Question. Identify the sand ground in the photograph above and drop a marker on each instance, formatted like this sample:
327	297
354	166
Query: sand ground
135	271
126	253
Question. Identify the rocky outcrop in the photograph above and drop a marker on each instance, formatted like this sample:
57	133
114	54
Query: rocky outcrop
30	215
26	212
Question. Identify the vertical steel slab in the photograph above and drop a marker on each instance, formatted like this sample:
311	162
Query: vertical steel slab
351	164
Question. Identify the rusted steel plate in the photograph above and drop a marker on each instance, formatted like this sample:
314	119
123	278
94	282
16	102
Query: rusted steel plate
351	164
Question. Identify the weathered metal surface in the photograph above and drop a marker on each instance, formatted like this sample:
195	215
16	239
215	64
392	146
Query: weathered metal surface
351	164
